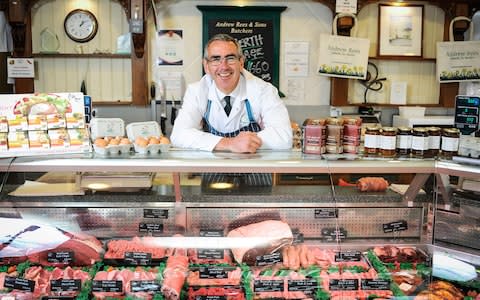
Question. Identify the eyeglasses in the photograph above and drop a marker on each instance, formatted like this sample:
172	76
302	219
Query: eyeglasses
217	60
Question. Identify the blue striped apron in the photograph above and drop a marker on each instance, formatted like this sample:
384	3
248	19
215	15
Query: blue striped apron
248	179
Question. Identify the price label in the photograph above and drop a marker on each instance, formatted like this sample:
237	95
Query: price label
150	227
107	286
210	253
326	213
19	284
302	285
375	284
332	234
65	285
155	213
144	286
268	259
214	272
395	226
343	284
138	258
344	256
61	257
211	233
268	286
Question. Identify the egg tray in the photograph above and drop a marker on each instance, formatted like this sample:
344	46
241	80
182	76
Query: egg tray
113	149
152	148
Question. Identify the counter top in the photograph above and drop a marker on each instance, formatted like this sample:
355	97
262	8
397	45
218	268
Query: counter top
201	161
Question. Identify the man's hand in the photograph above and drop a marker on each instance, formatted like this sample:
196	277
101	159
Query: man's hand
244	142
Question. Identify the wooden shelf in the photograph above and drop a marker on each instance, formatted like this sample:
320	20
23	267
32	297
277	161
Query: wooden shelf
403	58
75	55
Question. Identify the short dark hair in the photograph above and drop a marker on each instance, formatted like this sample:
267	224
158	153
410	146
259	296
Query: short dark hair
225	38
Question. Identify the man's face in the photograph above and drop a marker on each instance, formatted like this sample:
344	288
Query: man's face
223	65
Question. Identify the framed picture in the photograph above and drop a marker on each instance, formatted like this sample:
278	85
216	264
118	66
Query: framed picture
400	30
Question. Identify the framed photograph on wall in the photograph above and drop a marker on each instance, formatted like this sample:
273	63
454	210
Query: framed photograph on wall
400	30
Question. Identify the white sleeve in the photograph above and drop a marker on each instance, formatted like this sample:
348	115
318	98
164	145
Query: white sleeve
187	131
277	130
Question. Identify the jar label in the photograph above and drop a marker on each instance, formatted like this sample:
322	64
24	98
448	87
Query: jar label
449	144
388	142
434	142
419	143
404	141
371	141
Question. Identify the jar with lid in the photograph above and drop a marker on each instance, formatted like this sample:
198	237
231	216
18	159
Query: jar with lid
388	141
450	142
372	140
434	135
419	142
404	141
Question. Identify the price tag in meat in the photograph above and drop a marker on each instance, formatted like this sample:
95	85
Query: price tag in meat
150	227
211	233
333	234
138	258
343	256
107	286
63	257
210	253
268	286
268	259
144	286
395	226
343	284
375	284
302	285
19	284
65	285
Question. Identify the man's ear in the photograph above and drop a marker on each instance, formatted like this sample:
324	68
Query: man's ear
205	66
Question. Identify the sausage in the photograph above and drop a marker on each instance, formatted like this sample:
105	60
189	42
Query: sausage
285	256
372	184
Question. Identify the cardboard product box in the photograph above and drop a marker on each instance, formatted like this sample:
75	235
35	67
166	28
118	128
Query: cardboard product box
18	140
37	122
17	123
3	141
59	138
75	120
79	137
3	124
55	121
38	139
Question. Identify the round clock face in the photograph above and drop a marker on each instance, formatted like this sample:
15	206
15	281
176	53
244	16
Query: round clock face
80	25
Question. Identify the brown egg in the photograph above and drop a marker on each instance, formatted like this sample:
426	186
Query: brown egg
153	140
141	141
102	143
114	142
164	140
125	141
108	139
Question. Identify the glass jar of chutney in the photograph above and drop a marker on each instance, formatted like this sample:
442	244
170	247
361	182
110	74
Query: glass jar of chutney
419	142
388	141
404	141
450	142
371	140
434	135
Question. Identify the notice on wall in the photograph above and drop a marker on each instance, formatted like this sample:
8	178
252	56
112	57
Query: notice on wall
256	29
169	45
296	59
458	61
20	68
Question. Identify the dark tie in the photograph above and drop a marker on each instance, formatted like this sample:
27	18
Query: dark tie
228	106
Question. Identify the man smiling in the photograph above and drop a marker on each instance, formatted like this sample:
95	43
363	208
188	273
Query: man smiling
230	109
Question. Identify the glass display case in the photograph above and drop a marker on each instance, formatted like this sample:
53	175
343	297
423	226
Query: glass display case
365	228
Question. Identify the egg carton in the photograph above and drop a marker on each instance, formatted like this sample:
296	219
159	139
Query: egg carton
112	149
152	148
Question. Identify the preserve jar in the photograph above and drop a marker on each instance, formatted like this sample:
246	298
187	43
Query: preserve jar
371	140
434	135
388	141
450	142
419	142
314	136
404	141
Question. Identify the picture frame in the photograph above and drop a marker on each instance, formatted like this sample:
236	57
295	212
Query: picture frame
400	30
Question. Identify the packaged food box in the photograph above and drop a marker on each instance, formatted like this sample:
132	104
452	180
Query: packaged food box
3	141
75	120
38	139
18	140
17	123
3	124
78	137
147	137
55	121
37	122
59	138
108	136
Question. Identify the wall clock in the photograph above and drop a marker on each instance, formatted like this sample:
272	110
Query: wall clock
80	25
